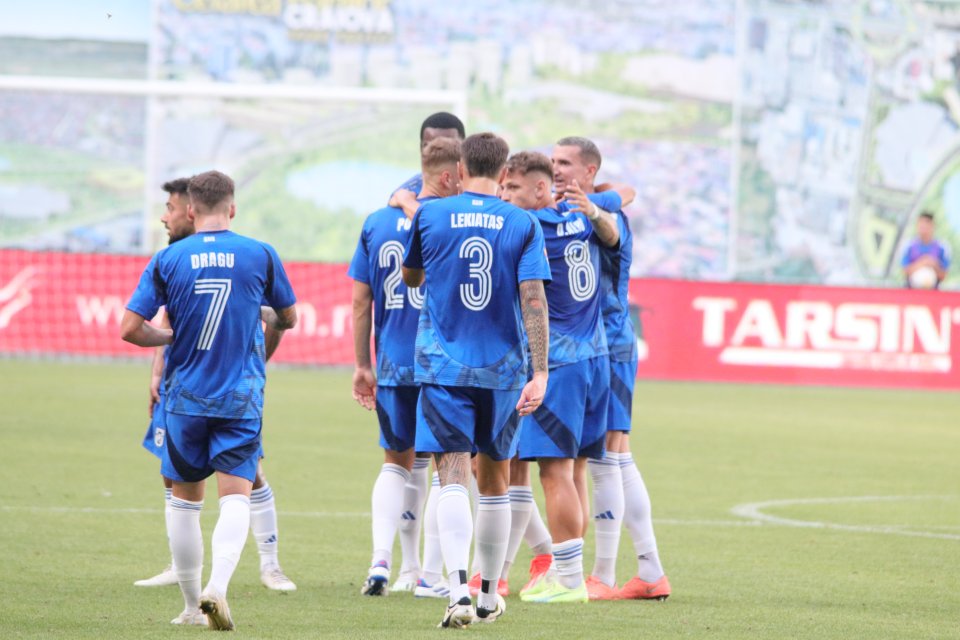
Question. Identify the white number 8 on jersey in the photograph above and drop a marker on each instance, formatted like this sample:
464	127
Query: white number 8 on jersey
581	274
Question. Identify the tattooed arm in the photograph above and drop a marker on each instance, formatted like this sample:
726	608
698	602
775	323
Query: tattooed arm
533	307
604	224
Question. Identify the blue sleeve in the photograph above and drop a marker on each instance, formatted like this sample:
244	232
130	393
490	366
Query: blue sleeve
279	293
906	256
150	293
945	256
607	200
415	184
360	265
533	261
413	253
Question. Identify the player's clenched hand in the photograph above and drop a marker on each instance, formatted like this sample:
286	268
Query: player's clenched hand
532	395
365	388
578	199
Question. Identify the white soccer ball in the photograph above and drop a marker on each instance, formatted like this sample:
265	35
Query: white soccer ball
924	278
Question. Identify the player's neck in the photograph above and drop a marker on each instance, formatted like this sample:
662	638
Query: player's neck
213	222
430	190
484	186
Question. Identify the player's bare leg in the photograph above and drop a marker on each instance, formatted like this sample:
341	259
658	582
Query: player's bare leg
565	519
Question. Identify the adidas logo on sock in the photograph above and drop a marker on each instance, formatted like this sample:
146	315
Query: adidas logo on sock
271	539
606	515
408	515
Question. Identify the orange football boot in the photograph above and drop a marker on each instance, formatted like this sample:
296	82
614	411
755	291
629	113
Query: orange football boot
637	589
598	590
474	586
539	565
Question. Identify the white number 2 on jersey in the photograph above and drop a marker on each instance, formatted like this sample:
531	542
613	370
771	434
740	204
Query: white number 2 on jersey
476	295
219	289
391	257
581	274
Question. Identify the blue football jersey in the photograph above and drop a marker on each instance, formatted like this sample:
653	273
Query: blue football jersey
413	183
377	262
475	250
212	285
615	282
614	295
576	329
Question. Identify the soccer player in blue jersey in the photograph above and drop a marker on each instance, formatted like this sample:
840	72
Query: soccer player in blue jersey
484	266
263	510
619	490
437	125
571	423
212	285
392	391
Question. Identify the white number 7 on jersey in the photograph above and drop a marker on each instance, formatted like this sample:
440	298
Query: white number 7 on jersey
219	288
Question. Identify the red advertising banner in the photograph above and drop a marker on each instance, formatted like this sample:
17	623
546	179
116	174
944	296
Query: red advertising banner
797	334
59	303
62	303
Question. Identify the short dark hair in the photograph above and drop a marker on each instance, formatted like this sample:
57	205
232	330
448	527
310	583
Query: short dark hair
928	215
530	162
484	155
443	120
439	153
588	150
178	186
210	189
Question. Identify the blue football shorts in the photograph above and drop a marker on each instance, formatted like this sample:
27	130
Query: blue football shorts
467	419
623	376
156	436
397	412
196	446
156	431
572	421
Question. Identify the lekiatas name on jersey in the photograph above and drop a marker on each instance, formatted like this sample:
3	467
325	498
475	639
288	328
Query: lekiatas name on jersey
212	259
482	220
571	228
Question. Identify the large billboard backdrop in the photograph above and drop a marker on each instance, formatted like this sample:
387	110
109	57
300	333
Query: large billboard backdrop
769	141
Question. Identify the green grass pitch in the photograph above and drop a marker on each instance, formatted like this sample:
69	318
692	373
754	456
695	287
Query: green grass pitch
81	519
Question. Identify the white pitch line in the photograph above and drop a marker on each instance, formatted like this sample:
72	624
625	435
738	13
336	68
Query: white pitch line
754	511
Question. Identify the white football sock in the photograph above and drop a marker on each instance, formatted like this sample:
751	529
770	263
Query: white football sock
387	507
521	504
167	511
414	495
607	516
456	530
229	536
186	546
474	500
568	562
537	535
432	555
263	524
493	533
638	519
